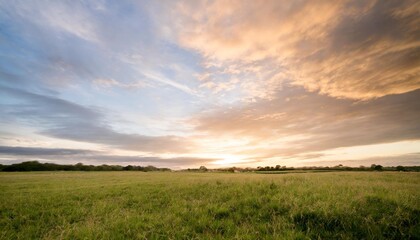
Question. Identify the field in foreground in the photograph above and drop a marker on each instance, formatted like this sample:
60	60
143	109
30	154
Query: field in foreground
138	205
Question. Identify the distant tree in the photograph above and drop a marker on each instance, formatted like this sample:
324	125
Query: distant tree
203	169
377	167
79	166
400	168
128	168
278	167
150	168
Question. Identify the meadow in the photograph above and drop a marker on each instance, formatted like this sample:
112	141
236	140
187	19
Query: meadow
184	205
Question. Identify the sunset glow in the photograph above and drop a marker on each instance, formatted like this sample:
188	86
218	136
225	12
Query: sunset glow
184	84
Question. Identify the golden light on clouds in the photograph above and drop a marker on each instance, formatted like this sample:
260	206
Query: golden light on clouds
345	49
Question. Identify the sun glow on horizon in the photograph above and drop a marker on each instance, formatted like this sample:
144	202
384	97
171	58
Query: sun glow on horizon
229	160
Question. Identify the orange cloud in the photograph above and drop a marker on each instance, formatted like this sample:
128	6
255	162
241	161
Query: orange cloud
302	123
345	49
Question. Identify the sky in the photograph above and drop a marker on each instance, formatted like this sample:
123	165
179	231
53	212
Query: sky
218	83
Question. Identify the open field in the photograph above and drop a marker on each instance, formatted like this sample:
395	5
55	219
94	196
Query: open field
121	205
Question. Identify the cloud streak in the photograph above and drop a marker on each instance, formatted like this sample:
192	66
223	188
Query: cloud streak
302	122
62	155
62	119
32	151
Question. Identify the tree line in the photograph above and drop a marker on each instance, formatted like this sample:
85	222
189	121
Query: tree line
37	166
340	167
279	168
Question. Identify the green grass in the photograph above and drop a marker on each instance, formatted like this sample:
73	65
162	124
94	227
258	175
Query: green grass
138	205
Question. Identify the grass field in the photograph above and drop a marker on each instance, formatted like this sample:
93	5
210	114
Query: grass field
138	205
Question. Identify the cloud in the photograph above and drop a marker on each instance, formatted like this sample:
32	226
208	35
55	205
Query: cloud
110	83
55	15
262	79
345	49
158	161
32	151
65	120
161	79
62	155
69	43
298	122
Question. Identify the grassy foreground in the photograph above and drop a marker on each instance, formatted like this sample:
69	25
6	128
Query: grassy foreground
138	205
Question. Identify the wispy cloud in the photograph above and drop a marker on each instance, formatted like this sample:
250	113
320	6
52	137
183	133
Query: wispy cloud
164	80
111	83
32	151
62	119
302	122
